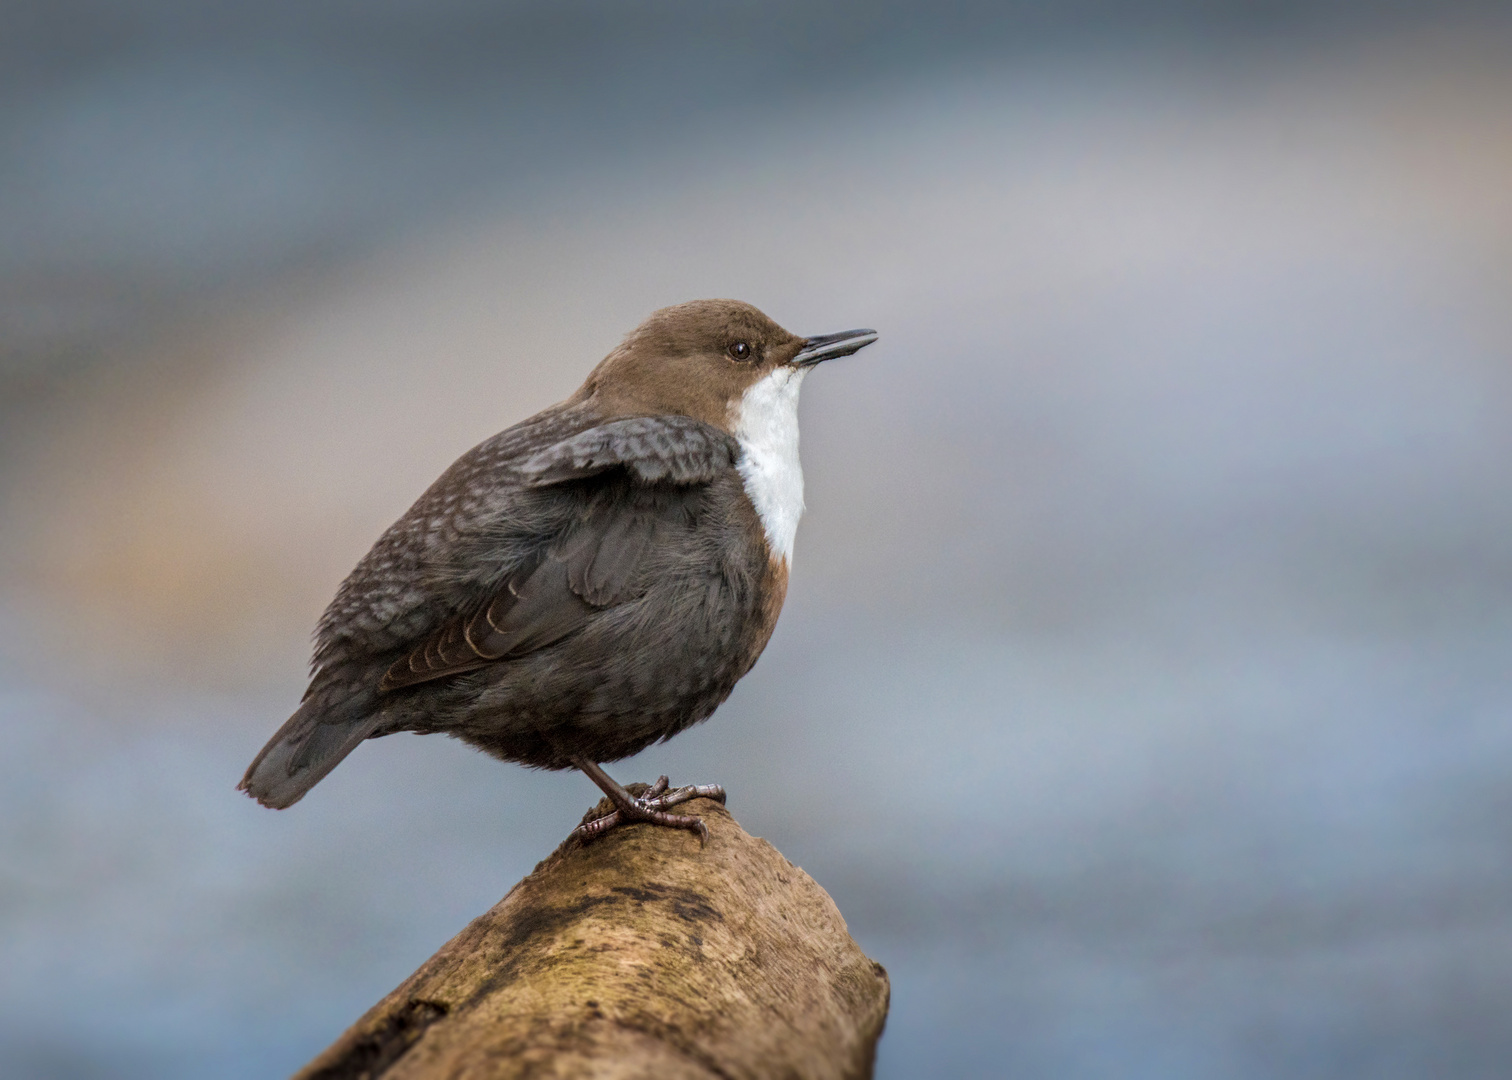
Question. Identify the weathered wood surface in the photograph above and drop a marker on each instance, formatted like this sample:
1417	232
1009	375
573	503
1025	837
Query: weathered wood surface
636	955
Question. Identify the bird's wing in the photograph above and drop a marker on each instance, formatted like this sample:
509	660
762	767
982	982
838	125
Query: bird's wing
654	449
634	481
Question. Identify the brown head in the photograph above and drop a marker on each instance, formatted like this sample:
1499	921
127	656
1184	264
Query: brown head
700	358
727	364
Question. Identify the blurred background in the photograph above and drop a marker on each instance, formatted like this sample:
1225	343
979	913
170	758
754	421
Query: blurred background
1143	691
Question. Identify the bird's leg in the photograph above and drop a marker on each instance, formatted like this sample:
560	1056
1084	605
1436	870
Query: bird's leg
649	807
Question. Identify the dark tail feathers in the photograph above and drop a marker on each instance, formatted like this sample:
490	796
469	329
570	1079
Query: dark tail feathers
310	744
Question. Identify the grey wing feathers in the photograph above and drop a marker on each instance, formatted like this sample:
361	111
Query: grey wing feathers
598	563
671	449
597	566
530	612
603	563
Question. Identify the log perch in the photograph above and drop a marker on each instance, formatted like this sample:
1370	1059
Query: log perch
635	955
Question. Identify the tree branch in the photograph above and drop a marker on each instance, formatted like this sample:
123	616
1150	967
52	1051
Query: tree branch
636	955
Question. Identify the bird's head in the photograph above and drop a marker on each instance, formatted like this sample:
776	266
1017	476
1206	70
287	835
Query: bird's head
711	360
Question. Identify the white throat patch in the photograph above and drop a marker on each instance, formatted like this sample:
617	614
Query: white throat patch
767	430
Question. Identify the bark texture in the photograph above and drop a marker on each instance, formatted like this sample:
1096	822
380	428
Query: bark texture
636	955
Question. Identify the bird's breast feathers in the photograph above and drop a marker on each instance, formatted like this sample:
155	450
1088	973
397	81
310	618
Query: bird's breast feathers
766	426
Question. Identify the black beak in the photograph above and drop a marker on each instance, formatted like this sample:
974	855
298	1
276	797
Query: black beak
829	346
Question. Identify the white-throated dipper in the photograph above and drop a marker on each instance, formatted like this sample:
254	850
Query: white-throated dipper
587	582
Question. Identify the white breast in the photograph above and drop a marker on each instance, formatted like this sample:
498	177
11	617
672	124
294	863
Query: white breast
767	430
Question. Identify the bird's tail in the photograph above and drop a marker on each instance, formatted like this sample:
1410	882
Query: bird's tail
310	744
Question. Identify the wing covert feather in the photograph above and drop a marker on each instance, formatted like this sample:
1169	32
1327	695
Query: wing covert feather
654	449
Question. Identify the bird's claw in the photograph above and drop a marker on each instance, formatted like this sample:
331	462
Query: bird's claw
651	807
653	799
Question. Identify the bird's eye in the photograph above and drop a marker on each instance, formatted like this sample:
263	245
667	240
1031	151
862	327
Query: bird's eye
740	350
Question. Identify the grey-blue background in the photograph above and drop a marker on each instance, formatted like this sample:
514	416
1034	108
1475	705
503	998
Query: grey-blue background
1142	695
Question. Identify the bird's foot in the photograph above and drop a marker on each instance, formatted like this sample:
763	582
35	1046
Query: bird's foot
650	806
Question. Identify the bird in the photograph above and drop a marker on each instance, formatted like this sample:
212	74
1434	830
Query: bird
583	584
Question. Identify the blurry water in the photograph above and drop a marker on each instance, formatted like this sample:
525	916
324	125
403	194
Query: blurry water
1142	694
